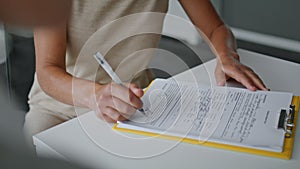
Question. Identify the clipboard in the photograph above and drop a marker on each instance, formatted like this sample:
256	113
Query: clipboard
287	122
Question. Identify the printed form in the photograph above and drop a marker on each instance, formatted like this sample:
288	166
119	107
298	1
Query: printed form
224	115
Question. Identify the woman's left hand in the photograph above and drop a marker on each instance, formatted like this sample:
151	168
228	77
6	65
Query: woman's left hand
229	66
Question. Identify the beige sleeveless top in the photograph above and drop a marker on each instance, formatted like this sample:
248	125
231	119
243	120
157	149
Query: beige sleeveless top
121	31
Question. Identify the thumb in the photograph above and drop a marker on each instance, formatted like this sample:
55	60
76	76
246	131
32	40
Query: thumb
220	75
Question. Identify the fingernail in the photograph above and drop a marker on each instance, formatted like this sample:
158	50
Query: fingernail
220	83
116	116
253	88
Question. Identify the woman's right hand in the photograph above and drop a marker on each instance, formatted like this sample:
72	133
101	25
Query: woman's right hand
113	102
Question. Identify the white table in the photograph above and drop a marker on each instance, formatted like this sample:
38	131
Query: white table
91	142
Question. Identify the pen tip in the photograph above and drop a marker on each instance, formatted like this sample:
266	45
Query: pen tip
142	111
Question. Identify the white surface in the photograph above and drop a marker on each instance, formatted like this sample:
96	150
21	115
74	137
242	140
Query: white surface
80	143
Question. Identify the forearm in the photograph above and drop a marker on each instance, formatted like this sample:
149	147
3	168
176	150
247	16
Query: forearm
111	102
206	19
223	42
50	45
62	86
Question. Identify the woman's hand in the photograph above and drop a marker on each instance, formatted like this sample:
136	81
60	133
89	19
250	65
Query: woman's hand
111	102
221	39
115	102
229	66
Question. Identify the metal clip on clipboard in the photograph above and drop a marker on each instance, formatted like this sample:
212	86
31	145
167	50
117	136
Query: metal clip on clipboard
286	121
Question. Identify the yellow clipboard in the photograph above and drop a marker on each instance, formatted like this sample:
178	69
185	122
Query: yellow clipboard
285	154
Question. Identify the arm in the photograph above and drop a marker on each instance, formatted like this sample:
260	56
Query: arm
204	16
111	102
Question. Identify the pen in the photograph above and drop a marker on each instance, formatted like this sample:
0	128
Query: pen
112	74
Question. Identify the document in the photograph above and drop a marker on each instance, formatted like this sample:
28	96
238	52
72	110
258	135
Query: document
226	115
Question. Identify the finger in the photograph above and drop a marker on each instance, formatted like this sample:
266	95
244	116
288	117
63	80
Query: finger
114	102
247	82
123	108
108	119
104	117
220	75
122	118
126	95
136	90
243	78
111	113
257	80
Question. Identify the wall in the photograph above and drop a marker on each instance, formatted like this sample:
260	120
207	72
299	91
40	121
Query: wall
271	23
272	17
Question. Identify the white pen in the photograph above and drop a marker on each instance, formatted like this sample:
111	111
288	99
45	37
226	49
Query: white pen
111	73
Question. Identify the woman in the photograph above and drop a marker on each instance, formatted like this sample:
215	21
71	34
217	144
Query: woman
52	99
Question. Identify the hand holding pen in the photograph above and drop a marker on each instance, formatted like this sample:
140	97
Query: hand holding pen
116	101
